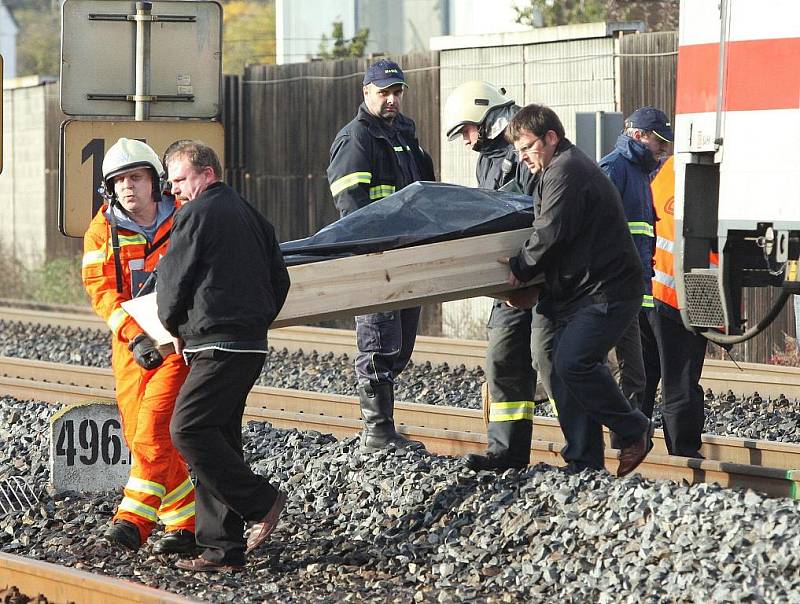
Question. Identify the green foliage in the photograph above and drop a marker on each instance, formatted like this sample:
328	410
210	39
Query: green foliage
549	13
658	15
248	34
38	41
343	49
57	282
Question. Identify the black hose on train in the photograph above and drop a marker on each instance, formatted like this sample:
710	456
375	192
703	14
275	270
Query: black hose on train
728	340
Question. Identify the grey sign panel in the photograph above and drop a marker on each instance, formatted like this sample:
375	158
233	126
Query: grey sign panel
596	132
87	450
98	58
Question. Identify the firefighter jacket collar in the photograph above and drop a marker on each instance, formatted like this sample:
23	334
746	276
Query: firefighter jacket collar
163	211
636	153
377	129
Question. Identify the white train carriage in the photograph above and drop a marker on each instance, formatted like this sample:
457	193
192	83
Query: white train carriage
737	160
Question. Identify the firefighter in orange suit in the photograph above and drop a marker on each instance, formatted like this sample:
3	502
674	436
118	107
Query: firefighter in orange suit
681	352
122	246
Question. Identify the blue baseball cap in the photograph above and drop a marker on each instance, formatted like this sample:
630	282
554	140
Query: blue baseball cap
384	73
650	118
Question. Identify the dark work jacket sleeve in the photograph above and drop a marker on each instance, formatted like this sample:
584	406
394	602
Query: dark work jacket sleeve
176	272
350	172
280	275
554	226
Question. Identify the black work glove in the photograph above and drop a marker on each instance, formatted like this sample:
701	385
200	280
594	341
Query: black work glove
145	352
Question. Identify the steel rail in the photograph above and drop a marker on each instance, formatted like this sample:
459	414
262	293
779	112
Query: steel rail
64	584
720	376
771	467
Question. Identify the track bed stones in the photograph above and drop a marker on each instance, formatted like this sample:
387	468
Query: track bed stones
414	527
727	413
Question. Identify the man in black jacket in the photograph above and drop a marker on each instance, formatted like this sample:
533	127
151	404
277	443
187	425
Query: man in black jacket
594	288
373	156
220	286
518	345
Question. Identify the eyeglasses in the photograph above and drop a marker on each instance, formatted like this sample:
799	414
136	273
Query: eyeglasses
529	147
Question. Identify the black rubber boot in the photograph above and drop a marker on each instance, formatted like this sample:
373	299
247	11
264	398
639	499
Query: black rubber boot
377	409
123	533
509	447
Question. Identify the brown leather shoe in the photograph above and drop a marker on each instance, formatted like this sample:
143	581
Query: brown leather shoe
631	456
264	527
201	565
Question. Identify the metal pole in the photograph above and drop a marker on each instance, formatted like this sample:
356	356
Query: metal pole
598	135
142	107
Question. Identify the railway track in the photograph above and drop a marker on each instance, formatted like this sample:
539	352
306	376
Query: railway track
720	376
62	585
770	467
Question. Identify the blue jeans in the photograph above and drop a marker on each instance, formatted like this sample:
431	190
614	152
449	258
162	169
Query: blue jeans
587	397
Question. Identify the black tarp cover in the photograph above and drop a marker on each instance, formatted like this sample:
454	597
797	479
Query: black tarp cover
423	212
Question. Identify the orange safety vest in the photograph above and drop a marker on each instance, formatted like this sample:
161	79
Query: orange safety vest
663	187
99	272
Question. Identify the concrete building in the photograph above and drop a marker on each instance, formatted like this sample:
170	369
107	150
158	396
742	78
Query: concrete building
8	41
395	27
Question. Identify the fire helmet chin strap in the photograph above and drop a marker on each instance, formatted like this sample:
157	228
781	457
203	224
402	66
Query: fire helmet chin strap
112	201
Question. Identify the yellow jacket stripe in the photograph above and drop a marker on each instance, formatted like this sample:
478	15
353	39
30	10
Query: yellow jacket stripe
182	490
176	516
647	301
380	191
135	239
145	486
140	509
116	318
93	257
641	228
510	411
350	180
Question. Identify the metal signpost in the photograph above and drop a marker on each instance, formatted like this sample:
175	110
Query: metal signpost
155	67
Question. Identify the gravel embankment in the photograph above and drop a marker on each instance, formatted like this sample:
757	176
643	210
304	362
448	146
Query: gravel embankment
413	527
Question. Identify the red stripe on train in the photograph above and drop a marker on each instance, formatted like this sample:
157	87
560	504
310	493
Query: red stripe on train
760	74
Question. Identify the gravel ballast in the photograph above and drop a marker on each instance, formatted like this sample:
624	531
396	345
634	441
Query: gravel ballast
414	527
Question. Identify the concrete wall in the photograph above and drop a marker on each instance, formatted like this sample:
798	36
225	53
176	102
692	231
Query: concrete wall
23	186
29	181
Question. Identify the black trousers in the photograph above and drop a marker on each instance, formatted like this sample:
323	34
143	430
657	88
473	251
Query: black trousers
206	428
385	342
652	361
586	395
682	355
519	345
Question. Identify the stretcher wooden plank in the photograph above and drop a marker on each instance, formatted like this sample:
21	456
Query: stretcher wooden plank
436	272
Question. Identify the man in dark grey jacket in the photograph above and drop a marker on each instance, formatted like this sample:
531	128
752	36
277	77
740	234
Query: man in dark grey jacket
219	288
594	288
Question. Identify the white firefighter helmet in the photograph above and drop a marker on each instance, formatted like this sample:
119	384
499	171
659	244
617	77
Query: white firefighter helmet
128	154
469	104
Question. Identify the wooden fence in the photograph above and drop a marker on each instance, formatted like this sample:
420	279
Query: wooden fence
281	119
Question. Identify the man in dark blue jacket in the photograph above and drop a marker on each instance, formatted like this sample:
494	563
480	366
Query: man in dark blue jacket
373	156
630	166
